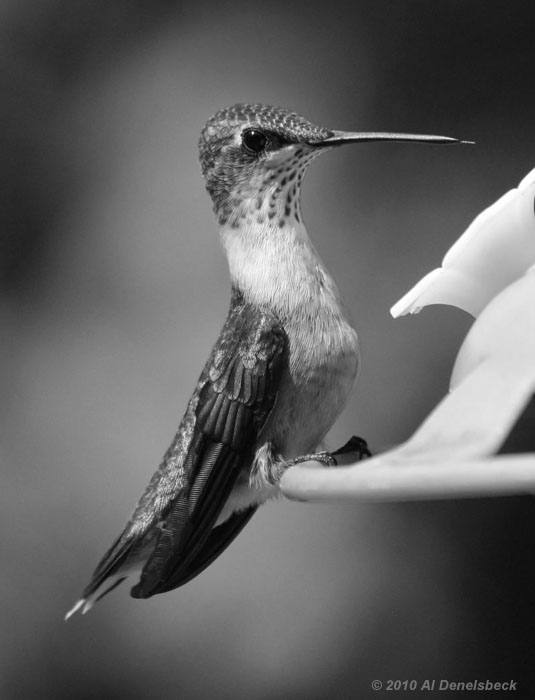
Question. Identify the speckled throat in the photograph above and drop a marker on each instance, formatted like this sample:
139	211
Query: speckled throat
272	192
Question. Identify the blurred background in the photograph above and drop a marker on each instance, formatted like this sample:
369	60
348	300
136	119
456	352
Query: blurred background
114	287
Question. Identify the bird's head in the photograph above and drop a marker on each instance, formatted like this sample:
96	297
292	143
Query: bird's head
253	159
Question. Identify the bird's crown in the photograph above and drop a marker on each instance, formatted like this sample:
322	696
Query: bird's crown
256	128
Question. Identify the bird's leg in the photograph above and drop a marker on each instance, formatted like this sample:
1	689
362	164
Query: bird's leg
328	459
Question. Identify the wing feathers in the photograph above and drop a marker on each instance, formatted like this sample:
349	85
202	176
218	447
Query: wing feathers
235	399
175	518
188	527
216	542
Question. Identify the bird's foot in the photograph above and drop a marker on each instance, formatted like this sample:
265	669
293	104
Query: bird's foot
354	445
324	458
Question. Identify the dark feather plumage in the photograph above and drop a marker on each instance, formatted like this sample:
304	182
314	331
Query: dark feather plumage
173	524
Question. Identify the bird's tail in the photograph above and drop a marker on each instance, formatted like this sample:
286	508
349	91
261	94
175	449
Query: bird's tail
120	561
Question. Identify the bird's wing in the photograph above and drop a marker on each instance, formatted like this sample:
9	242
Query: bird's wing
217	541
175	518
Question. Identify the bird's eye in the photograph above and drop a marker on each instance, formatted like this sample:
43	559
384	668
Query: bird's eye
254	140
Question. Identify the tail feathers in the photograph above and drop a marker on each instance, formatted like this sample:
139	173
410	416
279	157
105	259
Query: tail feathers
120	561
85	604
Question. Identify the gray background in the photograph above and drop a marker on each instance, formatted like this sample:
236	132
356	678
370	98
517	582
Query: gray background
113	287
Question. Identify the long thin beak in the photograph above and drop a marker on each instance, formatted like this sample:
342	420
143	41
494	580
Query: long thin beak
341	137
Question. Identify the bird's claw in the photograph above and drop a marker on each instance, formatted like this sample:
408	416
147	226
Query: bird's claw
325	458
356	445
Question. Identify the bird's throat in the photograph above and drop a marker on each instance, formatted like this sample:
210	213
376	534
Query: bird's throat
276	266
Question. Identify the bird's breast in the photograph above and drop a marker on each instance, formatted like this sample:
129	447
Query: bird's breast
323	360
277	268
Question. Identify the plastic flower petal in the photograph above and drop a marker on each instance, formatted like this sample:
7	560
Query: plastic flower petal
503	334
495	250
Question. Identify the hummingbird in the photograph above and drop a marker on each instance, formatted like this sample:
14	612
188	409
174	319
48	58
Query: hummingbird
280	372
